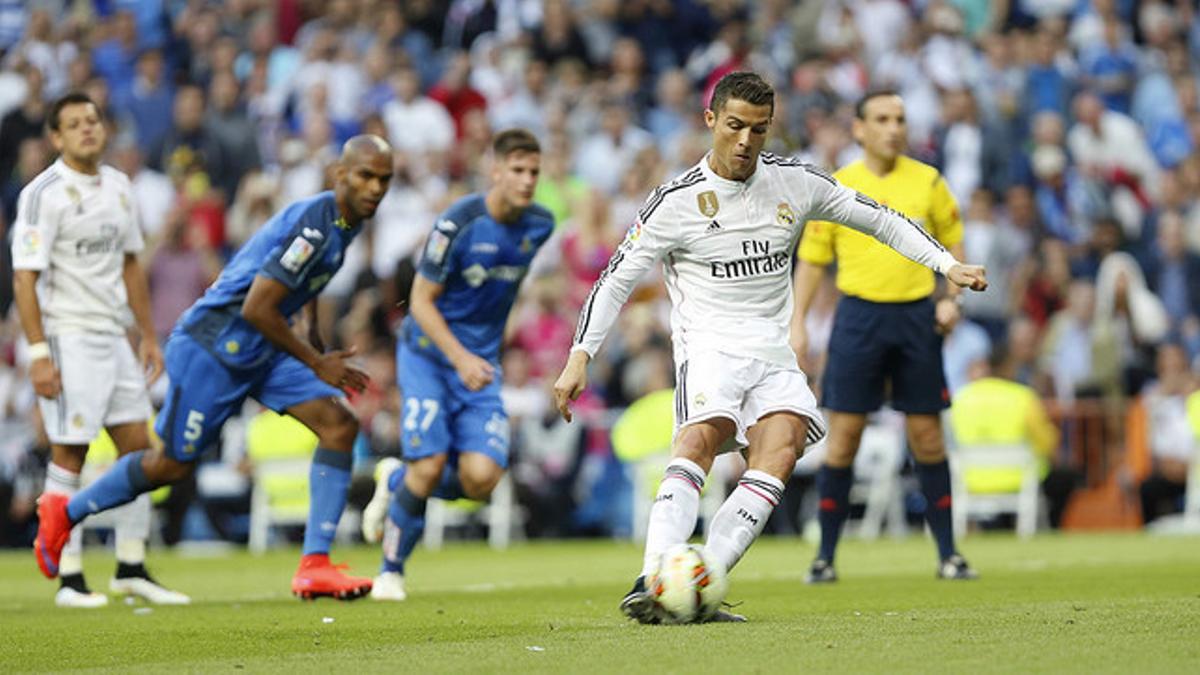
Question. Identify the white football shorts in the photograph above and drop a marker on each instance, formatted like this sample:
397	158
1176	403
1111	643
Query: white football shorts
102	385
744	390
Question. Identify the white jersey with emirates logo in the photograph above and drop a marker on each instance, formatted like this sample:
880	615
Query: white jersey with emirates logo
76	229
727	247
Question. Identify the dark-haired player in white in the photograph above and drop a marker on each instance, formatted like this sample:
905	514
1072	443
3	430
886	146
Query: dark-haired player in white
76	277
725	232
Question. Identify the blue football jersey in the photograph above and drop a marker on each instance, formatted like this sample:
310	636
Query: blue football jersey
481	263
301	247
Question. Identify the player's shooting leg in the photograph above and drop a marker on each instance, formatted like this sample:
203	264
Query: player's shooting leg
776	442
677	504
479	474
933	472
835	478
329	478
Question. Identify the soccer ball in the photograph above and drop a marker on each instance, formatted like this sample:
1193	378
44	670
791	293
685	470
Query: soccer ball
688	585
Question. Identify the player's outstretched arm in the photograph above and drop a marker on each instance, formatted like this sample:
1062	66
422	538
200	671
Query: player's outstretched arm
261	310
475	372
137	290
836	202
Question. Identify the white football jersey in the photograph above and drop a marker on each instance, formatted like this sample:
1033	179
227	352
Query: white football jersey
76	229
727	247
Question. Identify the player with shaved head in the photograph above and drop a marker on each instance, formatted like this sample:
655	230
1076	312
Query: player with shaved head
236	342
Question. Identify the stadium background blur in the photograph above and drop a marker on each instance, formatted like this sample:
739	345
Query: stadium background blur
1067	129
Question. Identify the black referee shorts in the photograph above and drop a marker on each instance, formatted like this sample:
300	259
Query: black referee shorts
878	348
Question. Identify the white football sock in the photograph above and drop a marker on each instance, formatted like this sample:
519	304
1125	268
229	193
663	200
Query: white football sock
64	482
132	527
743	516
676	506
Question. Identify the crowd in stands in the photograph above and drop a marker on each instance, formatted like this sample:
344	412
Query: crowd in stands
1068	131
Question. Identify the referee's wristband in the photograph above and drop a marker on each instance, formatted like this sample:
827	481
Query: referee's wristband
39	350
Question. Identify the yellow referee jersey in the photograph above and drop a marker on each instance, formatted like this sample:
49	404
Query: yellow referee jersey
868	268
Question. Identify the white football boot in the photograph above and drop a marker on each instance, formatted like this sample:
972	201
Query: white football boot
376	511
69	597
389	586
149	590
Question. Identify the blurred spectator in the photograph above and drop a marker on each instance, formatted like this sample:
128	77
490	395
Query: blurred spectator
1048	76
155	193
226	120
1001	246
1110	67
557	38
33	156
455	94
23	122
525	106
416	123
182	265
189	149
1172	440
115	51
608	152
1175	278
1133	317
147	97
993	409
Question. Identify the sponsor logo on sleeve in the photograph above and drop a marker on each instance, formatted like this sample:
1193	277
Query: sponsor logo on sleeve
31	242
435	250
297	253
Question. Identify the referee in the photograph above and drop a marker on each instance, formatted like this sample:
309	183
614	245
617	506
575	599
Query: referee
887	333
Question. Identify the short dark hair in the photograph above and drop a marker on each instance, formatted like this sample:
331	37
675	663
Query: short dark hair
745	86
70	98
861	107
515	140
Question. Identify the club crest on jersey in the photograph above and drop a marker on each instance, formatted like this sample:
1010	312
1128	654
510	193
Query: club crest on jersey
341	224
232	346
700	400
296	254
124	202
784	214
75	197
707	201
526	245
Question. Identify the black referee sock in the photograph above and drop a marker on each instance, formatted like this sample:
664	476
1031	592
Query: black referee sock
833	486
935	485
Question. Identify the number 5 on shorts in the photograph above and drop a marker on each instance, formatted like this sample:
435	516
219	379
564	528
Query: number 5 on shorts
194	426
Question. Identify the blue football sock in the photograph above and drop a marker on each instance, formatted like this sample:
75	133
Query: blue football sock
449	487
406	524
121	484
396	477
935	485
328	483
833	486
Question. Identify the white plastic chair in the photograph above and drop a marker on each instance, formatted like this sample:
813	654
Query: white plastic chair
1025	503
877	480
500	514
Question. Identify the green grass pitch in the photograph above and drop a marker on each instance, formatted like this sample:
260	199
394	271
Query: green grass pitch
1082	603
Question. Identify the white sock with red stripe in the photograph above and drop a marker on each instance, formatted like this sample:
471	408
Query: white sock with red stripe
676	506
65	482
743	516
